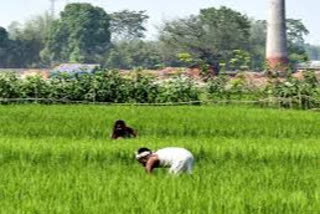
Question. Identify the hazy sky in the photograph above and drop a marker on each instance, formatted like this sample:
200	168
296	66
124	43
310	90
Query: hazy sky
158	10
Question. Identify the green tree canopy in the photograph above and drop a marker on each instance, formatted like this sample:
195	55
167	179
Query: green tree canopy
128	25
211	36
10	55
135	53
313	51
3	46
29	39
3	36
80	35
296	32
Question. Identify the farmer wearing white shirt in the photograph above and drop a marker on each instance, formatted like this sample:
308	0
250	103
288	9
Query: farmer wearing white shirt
177	159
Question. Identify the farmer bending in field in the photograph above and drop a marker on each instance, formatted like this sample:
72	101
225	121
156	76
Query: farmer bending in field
120	130
177	159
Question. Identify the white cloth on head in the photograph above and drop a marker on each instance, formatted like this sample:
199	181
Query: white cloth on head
177	159
143	154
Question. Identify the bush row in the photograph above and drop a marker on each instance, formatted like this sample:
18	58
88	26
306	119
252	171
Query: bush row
102	86
110	86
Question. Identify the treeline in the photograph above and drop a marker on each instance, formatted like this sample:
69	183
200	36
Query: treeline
86	34
313	52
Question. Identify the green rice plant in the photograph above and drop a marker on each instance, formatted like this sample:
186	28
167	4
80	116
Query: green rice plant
60	159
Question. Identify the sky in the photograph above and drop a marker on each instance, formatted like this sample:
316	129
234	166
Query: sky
160	10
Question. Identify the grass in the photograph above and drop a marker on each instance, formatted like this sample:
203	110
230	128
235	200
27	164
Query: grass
59	159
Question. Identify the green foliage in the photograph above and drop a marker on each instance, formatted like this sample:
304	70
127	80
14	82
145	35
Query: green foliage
80	35
257	40
313	51
216	87
83	34
205	68
35	87
9	85
240	60
3	46
128	25
211	36
302	93
230	89
143	89
178	89
227	29
137	53
60	159
296	43
103	86
237	87
25	42
296	31
185	57
113	87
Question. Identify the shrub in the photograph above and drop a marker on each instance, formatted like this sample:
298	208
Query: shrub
296	93
109	86
143	89
216	87
9	85
35	87
178	89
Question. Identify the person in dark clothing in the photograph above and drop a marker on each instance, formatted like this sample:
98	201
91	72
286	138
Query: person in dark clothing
120	130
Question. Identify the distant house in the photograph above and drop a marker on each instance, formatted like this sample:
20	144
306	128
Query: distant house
313	65
75	68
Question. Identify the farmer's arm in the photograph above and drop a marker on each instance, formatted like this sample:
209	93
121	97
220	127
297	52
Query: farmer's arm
114	135
132	132
151	164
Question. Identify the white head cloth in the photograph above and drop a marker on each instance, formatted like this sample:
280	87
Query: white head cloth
143	154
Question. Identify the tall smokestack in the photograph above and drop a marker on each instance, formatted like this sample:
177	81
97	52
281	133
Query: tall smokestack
277	52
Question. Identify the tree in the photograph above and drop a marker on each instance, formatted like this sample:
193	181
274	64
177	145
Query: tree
3	36
257	41
80	35
3	46
296	32
10	56
184	35
128	25
313	51
136	53
31	37
211	36
26	41
14	30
